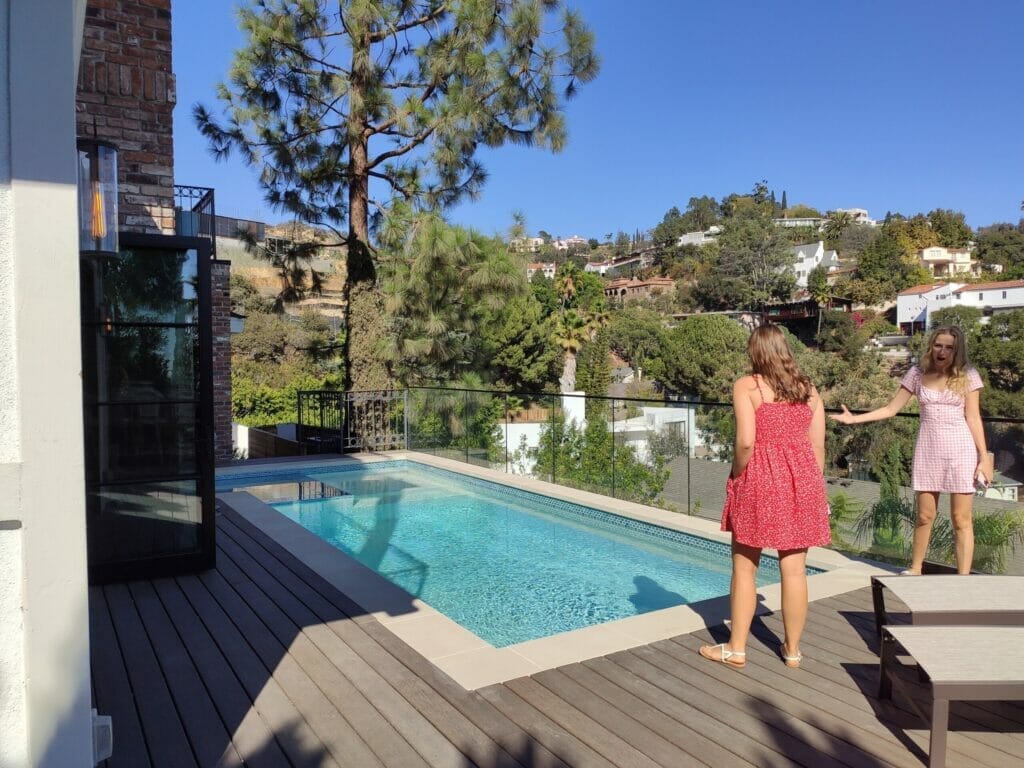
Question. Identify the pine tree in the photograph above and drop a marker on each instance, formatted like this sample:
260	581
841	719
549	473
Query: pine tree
785	205
325	97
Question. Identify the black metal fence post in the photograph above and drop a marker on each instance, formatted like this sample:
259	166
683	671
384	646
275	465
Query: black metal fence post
612	402
553	473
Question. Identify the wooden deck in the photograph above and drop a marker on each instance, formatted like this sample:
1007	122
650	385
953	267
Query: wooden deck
262	663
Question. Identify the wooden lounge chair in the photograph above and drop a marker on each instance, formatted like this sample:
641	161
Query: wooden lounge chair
957	664
953	600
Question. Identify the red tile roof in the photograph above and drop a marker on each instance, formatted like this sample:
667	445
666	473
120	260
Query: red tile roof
1005	284
918	289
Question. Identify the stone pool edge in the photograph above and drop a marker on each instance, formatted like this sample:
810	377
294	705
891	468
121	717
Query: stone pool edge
468	659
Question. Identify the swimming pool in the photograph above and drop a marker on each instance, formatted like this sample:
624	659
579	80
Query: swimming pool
507	564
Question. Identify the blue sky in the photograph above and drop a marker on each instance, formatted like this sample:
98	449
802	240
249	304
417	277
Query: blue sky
902	105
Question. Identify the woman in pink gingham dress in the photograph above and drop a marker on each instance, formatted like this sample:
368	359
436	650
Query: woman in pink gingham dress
950	455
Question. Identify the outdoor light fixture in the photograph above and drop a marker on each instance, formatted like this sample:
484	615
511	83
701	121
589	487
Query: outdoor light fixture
97	197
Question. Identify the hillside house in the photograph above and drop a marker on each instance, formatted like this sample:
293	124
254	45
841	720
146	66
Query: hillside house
807	257
623	288
914	305
949	262
546	268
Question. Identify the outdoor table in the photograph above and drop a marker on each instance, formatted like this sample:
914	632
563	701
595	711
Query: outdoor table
956	664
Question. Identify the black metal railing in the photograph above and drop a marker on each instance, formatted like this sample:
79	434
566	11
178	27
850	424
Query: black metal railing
195	214
334	422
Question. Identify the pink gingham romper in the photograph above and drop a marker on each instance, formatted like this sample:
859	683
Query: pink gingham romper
945	457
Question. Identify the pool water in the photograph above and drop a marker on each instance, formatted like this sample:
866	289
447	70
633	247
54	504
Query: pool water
506	564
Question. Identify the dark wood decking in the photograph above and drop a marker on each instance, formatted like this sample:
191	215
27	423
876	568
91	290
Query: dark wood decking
261	663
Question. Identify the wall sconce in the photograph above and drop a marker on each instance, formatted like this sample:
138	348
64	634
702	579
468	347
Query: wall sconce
97	197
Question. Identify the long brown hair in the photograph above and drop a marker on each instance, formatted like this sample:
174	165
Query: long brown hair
956	374
771	357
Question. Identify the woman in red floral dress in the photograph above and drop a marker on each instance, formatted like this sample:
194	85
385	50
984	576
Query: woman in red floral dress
775	495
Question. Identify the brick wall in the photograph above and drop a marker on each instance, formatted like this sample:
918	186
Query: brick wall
220	291
126	95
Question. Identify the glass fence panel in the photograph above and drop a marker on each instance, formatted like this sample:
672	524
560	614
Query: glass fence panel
481	412
678	455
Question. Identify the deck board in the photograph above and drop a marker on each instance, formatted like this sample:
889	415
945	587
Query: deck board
111	690
210	739
260	662
169	745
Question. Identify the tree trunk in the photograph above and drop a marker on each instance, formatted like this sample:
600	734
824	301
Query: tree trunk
568	380
364	369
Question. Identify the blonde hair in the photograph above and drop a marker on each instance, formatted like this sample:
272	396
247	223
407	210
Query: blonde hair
957	372
771	357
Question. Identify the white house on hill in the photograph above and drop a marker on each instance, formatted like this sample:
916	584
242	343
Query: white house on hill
914	305
700	238
568	242
807	257
991	298
547	268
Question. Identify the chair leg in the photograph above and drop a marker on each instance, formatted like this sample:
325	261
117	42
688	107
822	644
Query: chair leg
879	602
940	727
887	655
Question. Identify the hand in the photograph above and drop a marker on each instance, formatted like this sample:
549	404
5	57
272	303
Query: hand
843	418
985	471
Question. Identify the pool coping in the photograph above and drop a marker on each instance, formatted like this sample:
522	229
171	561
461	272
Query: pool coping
467	658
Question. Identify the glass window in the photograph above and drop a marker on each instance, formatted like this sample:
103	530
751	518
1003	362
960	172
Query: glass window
142	440
140	363
144	520
148	285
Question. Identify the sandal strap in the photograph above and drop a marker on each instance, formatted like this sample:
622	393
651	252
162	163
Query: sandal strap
727	654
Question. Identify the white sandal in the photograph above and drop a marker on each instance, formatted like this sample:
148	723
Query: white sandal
725	655
791	661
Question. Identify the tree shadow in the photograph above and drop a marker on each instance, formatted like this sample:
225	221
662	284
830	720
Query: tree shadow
651	596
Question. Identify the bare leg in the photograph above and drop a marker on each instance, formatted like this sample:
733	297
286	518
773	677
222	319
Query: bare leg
792	564
960	507
927	504
743	593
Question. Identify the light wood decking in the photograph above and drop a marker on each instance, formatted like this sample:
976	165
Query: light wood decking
262	663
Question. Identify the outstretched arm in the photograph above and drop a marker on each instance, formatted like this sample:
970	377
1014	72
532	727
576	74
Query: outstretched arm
901	398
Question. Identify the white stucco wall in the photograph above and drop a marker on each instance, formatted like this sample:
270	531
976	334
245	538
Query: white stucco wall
9	435
44	651
13	717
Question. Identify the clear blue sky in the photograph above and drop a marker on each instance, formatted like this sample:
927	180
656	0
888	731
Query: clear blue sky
903	106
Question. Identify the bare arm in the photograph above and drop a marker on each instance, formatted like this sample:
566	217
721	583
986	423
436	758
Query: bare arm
816	433
743	447
901	398
972	412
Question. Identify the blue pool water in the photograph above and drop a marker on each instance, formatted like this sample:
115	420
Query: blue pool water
507	564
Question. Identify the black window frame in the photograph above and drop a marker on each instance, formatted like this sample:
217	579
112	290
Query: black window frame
204	556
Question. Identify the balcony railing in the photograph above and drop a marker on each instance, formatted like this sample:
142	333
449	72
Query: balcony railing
677	455
195	214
